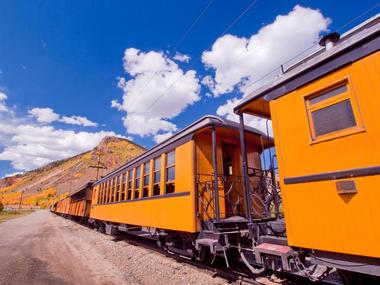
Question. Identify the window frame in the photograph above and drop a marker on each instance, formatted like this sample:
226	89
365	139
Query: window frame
130	185
118	188
158	170
146	174
349	95
137	178
123	191
167	166
113	196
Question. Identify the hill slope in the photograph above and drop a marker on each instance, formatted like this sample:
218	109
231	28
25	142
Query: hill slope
44	185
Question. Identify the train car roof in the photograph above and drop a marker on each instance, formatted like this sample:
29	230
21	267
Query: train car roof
84	186
357	43
179	138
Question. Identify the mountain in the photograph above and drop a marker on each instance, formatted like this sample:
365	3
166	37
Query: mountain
42	186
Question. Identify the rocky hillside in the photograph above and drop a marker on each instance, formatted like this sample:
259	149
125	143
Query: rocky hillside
42	186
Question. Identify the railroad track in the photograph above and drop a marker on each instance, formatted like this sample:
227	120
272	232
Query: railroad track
237	273
232	274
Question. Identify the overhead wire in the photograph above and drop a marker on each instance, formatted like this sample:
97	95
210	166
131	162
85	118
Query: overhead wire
237	19
310	47
178	43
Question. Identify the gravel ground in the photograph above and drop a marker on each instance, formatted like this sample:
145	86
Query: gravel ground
43	248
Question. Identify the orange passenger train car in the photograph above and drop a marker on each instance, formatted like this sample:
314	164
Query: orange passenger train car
171	186
325	112
77	205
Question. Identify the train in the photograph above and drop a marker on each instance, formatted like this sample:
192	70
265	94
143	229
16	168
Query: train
303	200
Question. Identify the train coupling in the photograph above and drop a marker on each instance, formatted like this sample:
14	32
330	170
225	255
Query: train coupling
274	256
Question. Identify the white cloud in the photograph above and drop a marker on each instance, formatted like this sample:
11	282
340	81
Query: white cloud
239	61
12	174
28	145
44	115
78	120
158	91
3	107
33	146
115	104
208	81
47	116
226	111
181	57
161	137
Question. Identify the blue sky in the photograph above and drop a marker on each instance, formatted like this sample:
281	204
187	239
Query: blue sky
67	56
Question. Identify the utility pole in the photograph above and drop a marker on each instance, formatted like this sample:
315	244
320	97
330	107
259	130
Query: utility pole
99	165
71	180
22	193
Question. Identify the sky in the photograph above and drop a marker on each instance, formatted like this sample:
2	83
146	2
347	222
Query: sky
72	72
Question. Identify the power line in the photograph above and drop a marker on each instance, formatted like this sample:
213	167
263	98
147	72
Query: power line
312	46
358	17
192	25
200	56
179	42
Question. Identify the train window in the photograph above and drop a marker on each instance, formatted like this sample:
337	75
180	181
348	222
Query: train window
118	189
113	189
130	177
107	194
146	179
331	112
137	182
99	193
170	172
124	180
157	176
102	194
103	191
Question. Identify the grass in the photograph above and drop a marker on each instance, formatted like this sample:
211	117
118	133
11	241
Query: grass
7	215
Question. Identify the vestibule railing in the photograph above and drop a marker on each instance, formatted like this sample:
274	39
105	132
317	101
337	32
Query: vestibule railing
263	195
230	194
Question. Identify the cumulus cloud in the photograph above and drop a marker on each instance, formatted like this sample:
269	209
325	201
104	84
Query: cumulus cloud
238	61
78	120
44	115
3	97
34	146
158	91
47	116
181	57
115	104
28	145
12	174
161	137
258	123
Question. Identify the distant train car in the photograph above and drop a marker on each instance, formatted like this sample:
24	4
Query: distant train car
80	202
325	112
172	186
77	205
62	206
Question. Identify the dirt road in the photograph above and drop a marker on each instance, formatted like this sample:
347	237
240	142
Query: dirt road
42	248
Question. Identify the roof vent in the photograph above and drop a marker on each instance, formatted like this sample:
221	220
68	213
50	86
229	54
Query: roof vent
329	40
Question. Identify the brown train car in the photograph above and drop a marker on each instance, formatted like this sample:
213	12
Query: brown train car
76	205
61	207
80	202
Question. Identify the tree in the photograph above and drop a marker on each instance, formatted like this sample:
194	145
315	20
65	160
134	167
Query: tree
1	206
